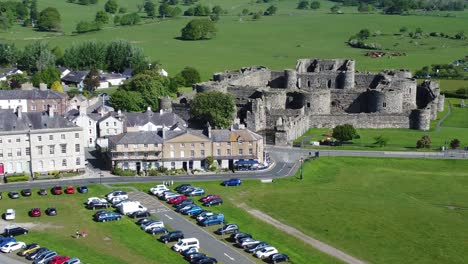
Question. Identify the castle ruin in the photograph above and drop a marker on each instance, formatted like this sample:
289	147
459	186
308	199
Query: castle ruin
326	93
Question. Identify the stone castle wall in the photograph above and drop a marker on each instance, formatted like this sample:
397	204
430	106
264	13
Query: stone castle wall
361	120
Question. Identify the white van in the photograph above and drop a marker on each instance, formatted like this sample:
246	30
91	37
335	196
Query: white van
186	243
127	208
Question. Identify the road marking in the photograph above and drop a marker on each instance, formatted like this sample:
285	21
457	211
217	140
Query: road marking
170	218
231	258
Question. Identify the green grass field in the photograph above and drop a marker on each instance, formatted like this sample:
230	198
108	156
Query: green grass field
379	210
452	85
459	116
276	41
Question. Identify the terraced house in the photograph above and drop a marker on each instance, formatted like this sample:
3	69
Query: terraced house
35	100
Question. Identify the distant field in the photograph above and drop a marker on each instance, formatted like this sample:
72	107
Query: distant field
452	85
459	116
276	41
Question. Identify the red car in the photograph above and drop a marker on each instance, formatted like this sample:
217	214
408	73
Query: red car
177	199
209	197
70	190
59	259
35	212
57	190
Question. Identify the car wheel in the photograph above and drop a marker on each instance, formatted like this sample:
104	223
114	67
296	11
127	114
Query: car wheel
165	241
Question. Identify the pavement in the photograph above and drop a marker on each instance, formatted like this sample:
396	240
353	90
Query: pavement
209	243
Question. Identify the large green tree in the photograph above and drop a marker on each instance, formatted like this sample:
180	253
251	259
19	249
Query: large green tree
214	107
36	57
150	8
101	17
190	76
86	55
49	75
199	29
344	132
127	100
111	6
49	19
121	54
9	54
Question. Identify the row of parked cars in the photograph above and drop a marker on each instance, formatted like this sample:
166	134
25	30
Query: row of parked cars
34	252
56	190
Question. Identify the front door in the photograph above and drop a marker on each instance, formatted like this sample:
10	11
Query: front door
138	167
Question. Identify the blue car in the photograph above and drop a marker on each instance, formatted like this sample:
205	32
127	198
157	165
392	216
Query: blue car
186	208
83	189
232	182
107	216
193	210
212	220
5	240
196	192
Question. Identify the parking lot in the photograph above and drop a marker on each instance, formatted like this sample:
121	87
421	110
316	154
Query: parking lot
208	242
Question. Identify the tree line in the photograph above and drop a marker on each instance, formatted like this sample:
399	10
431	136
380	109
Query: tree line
403	6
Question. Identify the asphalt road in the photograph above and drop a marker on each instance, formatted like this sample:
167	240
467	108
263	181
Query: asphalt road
208	242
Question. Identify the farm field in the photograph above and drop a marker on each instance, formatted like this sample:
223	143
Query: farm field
276	41
379	210
459	116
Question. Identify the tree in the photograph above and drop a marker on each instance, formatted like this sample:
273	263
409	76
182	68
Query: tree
257	16
365	8
455	143
9	54
344	132
165	10
199	29
16	80
36	56
363	33
315	5
86	55
424	142
150	8
217	10
403	29
56	86
102	17
48	76
92	80
381	141
245	11
84	26
122	10
336	9
127	100
33	13
49	19
190	76
111	6
303	5
271	10
214	107
130	19
121	54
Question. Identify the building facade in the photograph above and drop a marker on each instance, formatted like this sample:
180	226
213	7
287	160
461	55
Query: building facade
35	100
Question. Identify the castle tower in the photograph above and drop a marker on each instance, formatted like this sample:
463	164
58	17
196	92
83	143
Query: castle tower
420	119
349	75
165	104
291	79
440	103
318	102
386	101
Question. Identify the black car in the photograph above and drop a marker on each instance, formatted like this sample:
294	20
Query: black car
42	192
206	260
15	231
256	247
195	255
98	205
143	221
83	189
183	203
227	229
157	231
26	192
51	211
139	214
279	257
237	236
216	201
35	253
194	215
13	195
172	236
182	186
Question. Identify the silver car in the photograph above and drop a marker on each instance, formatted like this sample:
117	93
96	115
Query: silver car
45	258
73	261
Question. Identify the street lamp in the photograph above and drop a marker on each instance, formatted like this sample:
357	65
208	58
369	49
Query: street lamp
302	161
100	177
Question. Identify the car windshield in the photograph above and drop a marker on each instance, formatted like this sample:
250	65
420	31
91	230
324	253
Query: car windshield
180	243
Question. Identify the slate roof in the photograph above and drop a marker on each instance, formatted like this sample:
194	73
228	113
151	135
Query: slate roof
141	137
111	76
75	76
167	119
79	97
35	94
226	135
9	121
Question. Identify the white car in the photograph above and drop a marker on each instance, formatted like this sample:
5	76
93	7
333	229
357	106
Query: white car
266	252
204	215
158	189
10	214
12	246
121	194
168	196
152	225
118	199
249	241
95	200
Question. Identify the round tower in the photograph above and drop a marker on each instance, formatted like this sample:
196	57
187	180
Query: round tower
409	88
440	103
349	75
318	102
291	79
165	104
434	107
387	101
421	119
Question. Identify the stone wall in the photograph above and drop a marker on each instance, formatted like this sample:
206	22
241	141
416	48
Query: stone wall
361	120
349	101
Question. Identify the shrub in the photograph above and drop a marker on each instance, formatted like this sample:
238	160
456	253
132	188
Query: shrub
344	132
54	172
153	172
121	172
455	143
17	178
424	142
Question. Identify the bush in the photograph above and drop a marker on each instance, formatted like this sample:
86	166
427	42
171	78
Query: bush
153	172
121	172
17	178
455	143
344	132
53	173
424	142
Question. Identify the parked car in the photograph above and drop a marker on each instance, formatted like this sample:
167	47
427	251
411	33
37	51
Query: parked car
158	189
209	197
213	220
181	187
28	249
195	215
152	224
107	216
172	236
232	182
59	259
6	240
227	229
189	251
161	194
14	231
42	192
123	195
13	195
186	243
12	246
205	260
186	207
183	203
51	211
99	212
70	190
157	230
265	252
35	212
95	199
139	214
216	201
36	253
236	236
169	195
194	256
1	195
26	192
56	190
82	189
187	189
279	257
177	199
196	192
9	214
256	247
98	205
143	221
204	215
248	241
193	210
43	259
73	261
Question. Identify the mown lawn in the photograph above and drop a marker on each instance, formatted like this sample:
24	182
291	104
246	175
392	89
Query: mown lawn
459	116
379	210
112	242
276	41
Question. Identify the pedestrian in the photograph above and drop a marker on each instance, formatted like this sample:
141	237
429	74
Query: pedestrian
83	233
77	234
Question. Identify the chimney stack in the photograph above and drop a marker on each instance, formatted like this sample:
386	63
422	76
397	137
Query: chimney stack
148	109
163	133
208	128
19	111
43	87
50	111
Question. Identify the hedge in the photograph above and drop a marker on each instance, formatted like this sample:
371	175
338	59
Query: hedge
120	172
17	178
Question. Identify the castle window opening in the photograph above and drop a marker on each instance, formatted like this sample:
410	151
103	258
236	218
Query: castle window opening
384	105
308	84
308	105
329	83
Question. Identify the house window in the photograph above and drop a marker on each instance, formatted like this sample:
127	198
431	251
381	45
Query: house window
9	140
39	138
33	107
126	146
218	152
145	145
384	104
202	153
1	141
18	152
64	162
182	154
241	152
182	145
62	136
202	145
228	152
51	137
63	147
173	165
77	147
40	165
229	144
90	132
78	161
28	151
192	145
77	135
250	151
135	146
137	154
18	140
171	154
19	167
145	154
107	123
39	150
192	153
125	155
115	123
240	141
89	122
52	149
90	140
10	152
52	164
1	153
